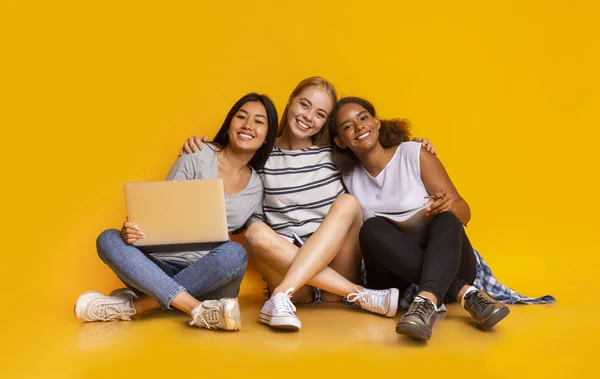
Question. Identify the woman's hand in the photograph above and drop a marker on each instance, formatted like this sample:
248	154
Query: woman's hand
438	203
131	232
193	144
426	144
445	197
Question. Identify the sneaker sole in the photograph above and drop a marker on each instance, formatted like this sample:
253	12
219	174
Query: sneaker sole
393	303
414	331
494	318
285	323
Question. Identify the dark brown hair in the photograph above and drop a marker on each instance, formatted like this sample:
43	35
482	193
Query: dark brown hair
322	137
392	133
260	157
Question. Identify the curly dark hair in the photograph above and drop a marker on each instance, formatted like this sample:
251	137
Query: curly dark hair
392	133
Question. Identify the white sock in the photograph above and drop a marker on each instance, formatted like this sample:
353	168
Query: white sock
469	290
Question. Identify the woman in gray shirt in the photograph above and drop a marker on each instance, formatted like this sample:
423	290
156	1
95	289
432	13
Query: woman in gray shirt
203	284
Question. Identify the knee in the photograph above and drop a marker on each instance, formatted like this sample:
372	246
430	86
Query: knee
237	254
230	259
347	204
258	236
104	242
446	220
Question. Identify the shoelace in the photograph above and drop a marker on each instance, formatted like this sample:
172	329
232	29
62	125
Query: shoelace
200	320
108	312
284	304
420	308
371	299
482	301
207	317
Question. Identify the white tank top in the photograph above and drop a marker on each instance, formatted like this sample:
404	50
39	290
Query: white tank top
397	188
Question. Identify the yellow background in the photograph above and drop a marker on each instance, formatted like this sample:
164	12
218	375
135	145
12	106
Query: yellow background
98	94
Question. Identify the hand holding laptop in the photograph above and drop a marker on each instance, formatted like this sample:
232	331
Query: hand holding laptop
131	232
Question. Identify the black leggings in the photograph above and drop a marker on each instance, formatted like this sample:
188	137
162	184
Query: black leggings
442	266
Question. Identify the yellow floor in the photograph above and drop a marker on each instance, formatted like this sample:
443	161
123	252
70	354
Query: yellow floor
533	341
42	339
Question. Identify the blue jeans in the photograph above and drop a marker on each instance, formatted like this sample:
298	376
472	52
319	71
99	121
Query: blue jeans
218	274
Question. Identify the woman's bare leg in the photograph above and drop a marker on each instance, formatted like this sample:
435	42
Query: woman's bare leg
347	262
273	251
304	295
309	264
321	248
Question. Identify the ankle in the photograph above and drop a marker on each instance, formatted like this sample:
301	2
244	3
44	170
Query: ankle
429	296
289	291
357	289
185	304
466	291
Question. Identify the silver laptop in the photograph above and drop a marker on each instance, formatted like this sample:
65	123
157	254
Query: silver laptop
179	215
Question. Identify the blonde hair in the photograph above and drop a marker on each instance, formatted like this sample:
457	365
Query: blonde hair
322	137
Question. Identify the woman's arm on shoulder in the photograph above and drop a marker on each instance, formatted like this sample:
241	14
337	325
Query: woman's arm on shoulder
426	144
193	144
445	197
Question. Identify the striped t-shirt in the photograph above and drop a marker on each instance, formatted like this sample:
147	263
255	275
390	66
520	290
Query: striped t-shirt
300	186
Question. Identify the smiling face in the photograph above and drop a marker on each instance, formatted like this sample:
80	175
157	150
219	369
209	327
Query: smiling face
308	112
248	127
358	130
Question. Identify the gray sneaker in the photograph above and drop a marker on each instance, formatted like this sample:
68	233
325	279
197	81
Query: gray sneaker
94	306
486	312
418	321
217	314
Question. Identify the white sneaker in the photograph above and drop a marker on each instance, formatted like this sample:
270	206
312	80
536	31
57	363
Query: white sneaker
93	306
125	293
278	312
383	302
217	314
